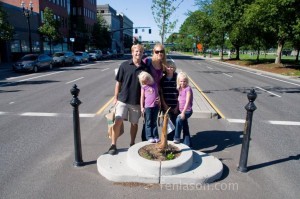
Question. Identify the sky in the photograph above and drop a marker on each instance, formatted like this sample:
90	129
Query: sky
140	13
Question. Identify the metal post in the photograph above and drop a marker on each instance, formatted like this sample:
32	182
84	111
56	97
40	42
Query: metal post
75	102
250	107
27	12
29	33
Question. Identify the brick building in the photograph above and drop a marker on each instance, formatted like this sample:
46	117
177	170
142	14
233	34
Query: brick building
77	18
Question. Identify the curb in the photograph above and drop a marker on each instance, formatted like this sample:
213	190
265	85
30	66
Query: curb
190	167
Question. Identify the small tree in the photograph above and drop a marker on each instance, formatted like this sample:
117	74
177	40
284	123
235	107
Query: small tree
50	27
162	11
6	30
101	35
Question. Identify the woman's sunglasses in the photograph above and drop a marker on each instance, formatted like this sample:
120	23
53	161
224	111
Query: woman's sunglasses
159	51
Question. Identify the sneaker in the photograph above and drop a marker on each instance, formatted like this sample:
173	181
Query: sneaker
151	140
157	140
176	141
112	150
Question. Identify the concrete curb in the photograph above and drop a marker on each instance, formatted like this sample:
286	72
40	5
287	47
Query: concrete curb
191	167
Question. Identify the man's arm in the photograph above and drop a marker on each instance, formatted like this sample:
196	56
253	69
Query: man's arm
117	90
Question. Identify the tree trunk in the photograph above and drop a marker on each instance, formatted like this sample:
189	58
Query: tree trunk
279	51
222	48
297	56
237	48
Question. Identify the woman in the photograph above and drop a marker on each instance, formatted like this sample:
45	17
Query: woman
156	64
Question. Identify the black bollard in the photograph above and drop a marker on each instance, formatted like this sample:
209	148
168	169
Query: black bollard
250	107
75	102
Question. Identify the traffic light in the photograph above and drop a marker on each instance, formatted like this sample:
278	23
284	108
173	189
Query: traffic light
136	31
149	31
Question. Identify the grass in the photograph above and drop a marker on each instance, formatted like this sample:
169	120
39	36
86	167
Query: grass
265	63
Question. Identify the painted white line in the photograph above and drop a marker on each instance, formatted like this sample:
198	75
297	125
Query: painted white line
23	80
209	67
2	113
18	77
39	114
290	123
236	120
86	115
268	91
74	80
227	75
11	102
104	69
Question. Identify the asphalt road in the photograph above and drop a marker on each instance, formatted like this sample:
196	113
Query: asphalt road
36	134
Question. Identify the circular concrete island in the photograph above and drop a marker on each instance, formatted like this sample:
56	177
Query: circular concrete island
189	167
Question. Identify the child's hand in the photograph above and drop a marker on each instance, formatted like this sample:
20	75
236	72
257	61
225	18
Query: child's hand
143	110
182	116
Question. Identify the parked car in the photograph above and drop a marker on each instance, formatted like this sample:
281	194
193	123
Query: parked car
106	54
33	62
63	58
95	54
81	57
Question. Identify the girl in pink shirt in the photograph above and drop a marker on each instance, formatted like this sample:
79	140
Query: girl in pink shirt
149	106
185	100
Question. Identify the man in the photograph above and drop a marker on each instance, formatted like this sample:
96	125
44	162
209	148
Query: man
127	96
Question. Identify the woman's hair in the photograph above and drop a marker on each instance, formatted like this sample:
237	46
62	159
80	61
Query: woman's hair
179	76
171	64
145	78
154	58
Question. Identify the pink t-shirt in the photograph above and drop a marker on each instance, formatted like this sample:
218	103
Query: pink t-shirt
182	98
151	93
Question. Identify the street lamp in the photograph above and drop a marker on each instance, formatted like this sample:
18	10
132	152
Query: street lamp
27	12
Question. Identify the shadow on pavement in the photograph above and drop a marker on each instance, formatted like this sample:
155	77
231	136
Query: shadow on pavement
214	141
266	164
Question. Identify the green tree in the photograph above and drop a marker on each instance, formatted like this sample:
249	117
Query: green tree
162	11
101	35
50	26
6	30
273	16
199	26
296	37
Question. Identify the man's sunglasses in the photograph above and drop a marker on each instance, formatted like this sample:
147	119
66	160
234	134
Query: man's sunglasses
159	51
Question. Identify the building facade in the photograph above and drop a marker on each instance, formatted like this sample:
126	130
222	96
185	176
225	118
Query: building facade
120	27
76	17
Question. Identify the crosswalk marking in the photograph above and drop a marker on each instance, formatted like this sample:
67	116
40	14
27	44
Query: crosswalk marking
91	115
285	123
40	114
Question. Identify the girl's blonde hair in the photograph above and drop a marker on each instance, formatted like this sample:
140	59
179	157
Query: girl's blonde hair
184	76
145	78
154	58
